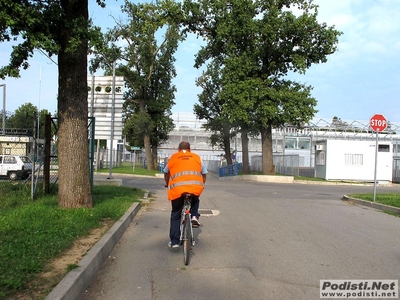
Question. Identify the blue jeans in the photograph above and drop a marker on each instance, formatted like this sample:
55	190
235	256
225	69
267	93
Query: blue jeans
175	226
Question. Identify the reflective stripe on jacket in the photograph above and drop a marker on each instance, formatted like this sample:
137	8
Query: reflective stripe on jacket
185	175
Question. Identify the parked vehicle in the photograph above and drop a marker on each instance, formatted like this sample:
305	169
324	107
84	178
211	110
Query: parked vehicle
15	166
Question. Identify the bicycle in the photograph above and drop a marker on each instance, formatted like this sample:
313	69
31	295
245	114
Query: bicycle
186	239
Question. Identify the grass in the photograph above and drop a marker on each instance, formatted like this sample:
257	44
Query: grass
127	168
71	267
32	233
386	199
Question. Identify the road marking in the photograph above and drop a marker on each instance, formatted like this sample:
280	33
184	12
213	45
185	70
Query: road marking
208	212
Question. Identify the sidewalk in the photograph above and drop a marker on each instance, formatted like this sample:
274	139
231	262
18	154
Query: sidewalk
74	284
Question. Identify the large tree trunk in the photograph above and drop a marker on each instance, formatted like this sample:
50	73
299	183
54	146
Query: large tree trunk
149	156
146	135
154	154
227	144
245	151
267	156
74	189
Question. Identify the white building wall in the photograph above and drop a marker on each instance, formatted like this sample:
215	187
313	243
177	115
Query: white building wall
355	160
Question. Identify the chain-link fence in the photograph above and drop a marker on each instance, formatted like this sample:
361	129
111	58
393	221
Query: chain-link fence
16	159
104	157
285	165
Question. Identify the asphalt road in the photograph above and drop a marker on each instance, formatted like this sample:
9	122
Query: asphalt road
257	241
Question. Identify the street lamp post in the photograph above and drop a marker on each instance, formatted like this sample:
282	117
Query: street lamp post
4	108
112	123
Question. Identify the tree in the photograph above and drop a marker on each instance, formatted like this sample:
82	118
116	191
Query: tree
23	118
260	42
210	107
59	28
338	123
146	62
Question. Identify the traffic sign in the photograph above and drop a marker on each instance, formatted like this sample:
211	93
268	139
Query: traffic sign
135	148
378	123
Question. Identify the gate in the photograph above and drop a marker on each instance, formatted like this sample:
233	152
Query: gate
396	169
50	165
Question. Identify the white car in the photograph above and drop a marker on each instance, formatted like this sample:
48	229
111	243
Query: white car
15	166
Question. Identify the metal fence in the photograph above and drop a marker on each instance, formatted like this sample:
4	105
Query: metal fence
14	167
229	170
284	165
103	157
42	151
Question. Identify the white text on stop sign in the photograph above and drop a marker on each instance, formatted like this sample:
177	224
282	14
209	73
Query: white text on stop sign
379	123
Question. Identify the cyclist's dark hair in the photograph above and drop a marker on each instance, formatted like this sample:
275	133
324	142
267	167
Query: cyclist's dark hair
184	146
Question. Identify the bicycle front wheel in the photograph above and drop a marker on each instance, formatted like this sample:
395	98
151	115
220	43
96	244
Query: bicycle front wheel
187	240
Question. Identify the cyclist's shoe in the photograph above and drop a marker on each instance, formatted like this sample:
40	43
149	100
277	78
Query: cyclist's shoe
173	246
195	221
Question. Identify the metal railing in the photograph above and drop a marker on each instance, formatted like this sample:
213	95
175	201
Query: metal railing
229	170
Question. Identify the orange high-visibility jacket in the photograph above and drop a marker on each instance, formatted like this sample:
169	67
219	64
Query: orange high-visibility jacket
185	174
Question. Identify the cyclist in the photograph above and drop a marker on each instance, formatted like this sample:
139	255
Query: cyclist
185	172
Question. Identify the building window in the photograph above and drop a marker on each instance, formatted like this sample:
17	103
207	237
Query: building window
297	143
383	148
320	159
396	148
304	143
291	143
351	159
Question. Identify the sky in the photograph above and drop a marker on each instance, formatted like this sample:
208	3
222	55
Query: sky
360	79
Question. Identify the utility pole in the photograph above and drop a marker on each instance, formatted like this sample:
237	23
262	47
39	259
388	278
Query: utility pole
4	108
112	123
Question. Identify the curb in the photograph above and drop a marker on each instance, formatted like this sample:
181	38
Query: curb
379	206
156	175
74	284
290	179
260	178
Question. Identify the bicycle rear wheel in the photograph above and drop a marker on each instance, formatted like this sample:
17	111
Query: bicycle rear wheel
187	240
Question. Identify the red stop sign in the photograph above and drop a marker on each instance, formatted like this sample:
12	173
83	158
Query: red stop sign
378	123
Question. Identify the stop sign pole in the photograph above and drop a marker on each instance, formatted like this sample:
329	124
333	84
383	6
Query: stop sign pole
378	123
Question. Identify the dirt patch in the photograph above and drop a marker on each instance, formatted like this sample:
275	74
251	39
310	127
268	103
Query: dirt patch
55	271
